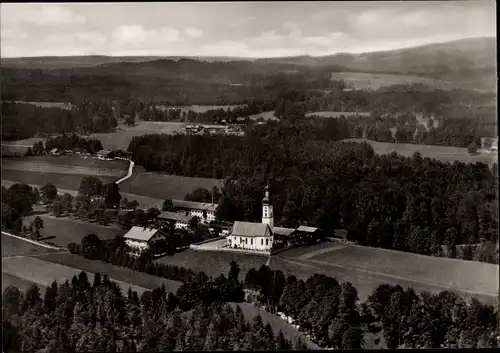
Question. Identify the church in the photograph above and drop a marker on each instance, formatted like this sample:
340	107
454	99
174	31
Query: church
257	236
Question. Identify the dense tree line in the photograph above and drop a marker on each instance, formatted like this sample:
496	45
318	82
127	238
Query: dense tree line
65	142
23	120
17	202
411	204
83	316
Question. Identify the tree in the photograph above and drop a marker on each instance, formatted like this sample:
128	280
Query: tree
168	206
90	186
92	247
352	338
48	192
35	227
152	213
194	222
227	210
129	120
112	195
11	300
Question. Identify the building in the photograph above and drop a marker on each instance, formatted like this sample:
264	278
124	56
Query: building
494	144
204	211
179	220
103	153
55	152
140	239
220	227
251	236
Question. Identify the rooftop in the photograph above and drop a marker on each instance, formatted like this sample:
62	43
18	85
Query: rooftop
174	216
307	229
203	206
141	233
249	229
283	231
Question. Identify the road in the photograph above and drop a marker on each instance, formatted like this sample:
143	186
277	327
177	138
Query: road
129	173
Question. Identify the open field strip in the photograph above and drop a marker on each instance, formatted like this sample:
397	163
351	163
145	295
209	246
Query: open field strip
290	332
269	115
31	241
328	114
122	274
322	251
17	246
44	273
19	283
375	80
197	108
442	153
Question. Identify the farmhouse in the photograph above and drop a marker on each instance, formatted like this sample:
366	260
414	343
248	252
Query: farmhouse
140	239
103	154
55	152
220	227
178	220
204	211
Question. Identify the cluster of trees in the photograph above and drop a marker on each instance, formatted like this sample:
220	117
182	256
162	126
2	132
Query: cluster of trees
83	316
17	202
65	142
410	204
24	120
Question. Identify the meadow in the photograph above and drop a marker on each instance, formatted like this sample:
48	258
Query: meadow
62	231
122	274
162	186
269	115
60	105
197	108
442	153
16	247
43	273
121	137
21	284
376	80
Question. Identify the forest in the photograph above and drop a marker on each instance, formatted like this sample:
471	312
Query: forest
415	204
84	316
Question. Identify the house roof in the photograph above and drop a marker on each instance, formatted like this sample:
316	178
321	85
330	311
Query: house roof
54	150
140	233
283	231
249	229
174	216
104	152
203	206
307	229
221	224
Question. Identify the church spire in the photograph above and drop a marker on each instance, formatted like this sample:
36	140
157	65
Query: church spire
266	200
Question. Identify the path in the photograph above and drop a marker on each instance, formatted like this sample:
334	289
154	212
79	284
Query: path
129	174
321	252
31	241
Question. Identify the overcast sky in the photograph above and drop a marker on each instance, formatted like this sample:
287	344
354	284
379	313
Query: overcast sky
245	29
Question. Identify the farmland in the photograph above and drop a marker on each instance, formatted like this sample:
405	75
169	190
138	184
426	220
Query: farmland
197	108
376	80
60	105
269	115
161	186
62	231
364	267
122	274
16	247
121	138
442	153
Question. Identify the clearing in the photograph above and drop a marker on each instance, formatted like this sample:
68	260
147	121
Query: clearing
442	153
62	231
16	247
162	186
269	115
375	80
122	274
120	139
198	108
60	105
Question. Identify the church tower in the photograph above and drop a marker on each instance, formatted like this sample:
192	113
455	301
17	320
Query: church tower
267	209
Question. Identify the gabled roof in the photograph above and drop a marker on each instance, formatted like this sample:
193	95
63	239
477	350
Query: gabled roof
141	233
203	206
307	229
283	231
249	229
174	216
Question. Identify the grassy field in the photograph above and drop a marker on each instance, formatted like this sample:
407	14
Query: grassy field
375	80
198	108
250	311
122	274
264	115
442	153
43	273
60	105
62	231
121	138
326	114
15	247
19	283
161	186
67	165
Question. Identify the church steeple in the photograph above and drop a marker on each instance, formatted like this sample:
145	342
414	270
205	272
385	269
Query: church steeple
267	208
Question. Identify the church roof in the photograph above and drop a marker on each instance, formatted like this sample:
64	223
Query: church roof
249	229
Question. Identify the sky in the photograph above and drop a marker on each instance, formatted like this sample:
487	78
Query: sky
242	29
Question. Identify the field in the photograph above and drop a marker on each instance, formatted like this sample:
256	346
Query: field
122	274
442	153
16	247
161	186
264	115
290	332
198	108
18	147
375	80
364	267
43	273
121	138
60	105
67	165
62	231
326	114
